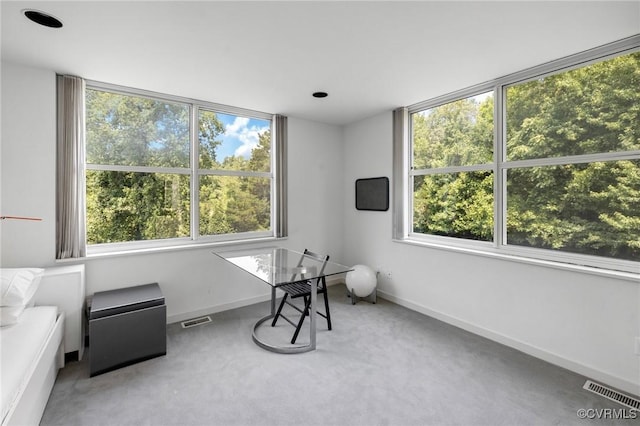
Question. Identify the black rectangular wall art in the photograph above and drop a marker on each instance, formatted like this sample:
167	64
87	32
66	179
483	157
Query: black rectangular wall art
372	194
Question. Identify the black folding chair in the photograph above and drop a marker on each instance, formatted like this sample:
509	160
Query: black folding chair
302	289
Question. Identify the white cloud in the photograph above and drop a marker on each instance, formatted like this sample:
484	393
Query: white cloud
248	136
236	126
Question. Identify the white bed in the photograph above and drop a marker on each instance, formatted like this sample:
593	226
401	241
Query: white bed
33	347
32	353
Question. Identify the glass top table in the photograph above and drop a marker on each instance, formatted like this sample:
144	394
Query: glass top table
277	267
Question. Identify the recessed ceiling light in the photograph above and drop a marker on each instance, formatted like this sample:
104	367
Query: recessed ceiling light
42	18
320	94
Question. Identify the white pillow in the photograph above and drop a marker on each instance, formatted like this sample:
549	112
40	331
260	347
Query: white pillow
10	314
19	285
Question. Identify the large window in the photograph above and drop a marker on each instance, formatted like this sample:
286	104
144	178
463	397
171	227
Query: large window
544	163
572	178
160	169
452	169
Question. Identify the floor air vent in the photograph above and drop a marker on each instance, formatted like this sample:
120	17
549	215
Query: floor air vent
612	395
196	321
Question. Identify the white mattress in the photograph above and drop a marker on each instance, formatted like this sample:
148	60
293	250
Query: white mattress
20	347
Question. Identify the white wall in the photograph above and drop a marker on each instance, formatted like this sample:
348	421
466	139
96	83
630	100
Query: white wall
193	281
27	168
586	323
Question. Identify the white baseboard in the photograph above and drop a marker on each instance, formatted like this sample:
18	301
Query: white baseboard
335	280
585	370
171	319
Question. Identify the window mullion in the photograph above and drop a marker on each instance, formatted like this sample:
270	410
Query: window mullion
138	169
499	175
240	173
195	176
573	159
452	169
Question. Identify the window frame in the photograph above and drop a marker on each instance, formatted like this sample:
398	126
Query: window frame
443	100
194	172
403	175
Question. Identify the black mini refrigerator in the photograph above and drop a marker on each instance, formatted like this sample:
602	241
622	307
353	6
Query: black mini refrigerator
126	326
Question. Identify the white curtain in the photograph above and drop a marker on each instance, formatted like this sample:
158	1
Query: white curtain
280	130
70	174
400	135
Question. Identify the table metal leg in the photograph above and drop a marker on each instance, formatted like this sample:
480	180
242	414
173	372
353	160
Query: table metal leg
312	315
273	301
294	349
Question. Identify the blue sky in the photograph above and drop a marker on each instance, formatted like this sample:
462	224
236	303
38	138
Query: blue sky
241	135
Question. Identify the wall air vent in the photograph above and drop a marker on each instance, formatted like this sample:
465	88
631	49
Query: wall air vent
195	321
613	395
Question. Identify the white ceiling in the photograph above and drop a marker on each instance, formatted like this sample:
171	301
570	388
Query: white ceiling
270	56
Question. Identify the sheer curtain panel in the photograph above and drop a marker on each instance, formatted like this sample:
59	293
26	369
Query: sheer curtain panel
70	174
400	135
280	125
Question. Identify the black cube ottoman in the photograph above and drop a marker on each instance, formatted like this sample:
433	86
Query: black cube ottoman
126	326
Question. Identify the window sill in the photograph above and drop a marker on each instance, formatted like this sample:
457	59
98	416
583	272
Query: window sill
609	273
120	252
